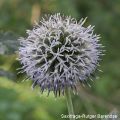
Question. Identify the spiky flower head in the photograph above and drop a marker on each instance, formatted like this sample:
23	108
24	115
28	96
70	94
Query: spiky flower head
59	52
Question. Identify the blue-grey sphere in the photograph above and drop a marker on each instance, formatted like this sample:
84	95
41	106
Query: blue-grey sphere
60	52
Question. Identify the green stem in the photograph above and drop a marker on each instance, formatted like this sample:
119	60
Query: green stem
69	103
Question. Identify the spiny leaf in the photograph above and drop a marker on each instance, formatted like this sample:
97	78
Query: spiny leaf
8	43
6	74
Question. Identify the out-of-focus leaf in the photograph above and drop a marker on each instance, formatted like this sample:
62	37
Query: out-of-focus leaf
6	74
2	48
8	43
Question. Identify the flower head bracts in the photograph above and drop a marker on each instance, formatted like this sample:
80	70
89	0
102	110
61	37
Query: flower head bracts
59	52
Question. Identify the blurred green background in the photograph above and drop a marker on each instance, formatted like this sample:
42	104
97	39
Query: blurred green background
17	100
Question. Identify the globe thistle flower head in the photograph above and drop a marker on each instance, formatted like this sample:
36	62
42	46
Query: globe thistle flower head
60	52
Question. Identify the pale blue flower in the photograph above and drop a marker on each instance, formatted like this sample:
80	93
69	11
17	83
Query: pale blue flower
60	52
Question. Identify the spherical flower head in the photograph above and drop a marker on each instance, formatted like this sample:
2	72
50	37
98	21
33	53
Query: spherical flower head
59	52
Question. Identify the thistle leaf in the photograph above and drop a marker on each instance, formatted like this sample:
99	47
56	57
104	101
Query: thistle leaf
6	74
8	43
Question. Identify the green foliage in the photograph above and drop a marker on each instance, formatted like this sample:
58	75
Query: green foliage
21	103
17	101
